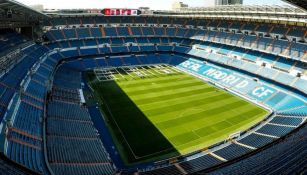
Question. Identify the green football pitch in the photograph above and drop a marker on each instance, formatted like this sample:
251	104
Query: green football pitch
155	112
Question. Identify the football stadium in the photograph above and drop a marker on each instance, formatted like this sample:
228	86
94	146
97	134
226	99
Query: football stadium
132	91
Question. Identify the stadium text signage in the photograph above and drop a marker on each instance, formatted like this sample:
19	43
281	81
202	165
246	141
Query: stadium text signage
229	79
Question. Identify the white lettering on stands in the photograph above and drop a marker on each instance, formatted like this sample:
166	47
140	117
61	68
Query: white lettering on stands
262	92
186	64
209	71
195	67
230	79
225	78
219	75
242	84
191	65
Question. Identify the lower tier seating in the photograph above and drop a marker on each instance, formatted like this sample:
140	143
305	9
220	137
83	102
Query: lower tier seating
73	143
286	157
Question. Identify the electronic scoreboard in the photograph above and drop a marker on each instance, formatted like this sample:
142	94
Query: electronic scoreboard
120	12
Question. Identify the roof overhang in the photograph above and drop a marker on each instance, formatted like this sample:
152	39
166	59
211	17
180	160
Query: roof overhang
15	14
299	3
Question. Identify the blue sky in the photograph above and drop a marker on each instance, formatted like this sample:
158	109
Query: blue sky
153	4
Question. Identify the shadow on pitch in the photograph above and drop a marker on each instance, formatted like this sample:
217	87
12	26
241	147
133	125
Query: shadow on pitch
141	139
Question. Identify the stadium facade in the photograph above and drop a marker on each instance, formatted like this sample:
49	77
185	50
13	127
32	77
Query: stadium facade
228	2
53	123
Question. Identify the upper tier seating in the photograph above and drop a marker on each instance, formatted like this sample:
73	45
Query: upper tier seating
268	44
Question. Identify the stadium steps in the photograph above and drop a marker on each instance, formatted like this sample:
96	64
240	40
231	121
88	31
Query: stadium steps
164	31
186	33
240	41
142	31
46	66
291	109
290	126
77	33
38	82
232	151
60	44
41	74
116	31
52	59
24	143
103	32
287	120
52	35
287	116
267	135
7	86
83	43
293	82
153	31
293	66
79	51
269	48
258	70
242	27
275	61
90	32
97	43
217	157
81	21
23	133
32	104
71	120
63	33
287	32
287	50
130	31
254	44
304	58
180	168
273	95
176	31
81	164
275	130
216	36
270	30
241	144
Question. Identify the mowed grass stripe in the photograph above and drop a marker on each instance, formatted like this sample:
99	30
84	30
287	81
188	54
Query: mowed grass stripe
159	88
145	81
158	84
181	103
202	122
185	104
209	129
234	120
198	116
191	111
171	94
174	96
219	135
167	91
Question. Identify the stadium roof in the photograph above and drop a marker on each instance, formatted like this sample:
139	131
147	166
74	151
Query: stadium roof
13	13
299	3
266	9
243	12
